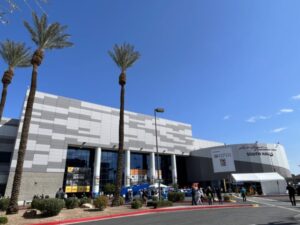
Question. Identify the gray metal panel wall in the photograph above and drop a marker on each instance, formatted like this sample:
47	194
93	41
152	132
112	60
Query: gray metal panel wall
201	169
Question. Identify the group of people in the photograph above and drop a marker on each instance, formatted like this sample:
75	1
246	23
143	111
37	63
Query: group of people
198	195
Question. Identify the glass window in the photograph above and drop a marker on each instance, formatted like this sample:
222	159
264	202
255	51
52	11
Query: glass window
79	170
78	157
108	167
139	161
5	157
166	168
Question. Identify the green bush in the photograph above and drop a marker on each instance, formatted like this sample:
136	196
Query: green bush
109	189
175	196
72	203
85	200
175	186
101	202
136	204
4	202
35	204
154	198
162	203
3	220
122	201
49	206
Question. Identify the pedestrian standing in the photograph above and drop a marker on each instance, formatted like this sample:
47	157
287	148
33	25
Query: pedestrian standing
194	196
291	190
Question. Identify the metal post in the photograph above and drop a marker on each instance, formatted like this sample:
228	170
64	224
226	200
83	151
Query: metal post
160	110
157	159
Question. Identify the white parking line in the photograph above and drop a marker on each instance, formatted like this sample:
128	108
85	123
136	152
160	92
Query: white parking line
268	204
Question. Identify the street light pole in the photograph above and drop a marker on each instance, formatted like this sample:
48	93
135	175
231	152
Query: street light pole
157	110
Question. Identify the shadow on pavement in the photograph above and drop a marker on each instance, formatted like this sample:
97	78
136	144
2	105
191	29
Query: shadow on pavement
279	223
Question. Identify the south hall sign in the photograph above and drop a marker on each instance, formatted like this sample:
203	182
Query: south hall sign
258	150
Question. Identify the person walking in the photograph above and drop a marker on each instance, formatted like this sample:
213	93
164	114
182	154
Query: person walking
200	194
209	194
243	194
219	195
291	191
145	196
197	196
194	196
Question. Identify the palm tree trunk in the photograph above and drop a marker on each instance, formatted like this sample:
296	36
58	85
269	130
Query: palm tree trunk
13	204
116	200
3	99
6	80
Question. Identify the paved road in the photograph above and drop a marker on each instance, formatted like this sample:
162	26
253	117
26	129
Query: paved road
270	212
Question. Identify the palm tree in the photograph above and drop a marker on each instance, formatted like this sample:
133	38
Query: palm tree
14	55
45	36
124	56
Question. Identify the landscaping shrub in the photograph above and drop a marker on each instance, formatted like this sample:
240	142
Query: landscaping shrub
162	203
122	201
175	196
101	202
4	202
72	203
85	200
49	206
35	204
3	220
227	198
154	198
109	189
136	204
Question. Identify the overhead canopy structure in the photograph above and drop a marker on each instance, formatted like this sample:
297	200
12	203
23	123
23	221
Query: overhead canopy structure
256	177
156	185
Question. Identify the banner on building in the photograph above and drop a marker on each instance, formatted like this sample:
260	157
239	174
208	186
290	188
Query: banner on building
222	160
138	175
78	179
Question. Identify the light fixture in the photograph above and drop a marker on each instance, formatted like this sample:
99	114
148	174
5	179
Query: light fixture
82	144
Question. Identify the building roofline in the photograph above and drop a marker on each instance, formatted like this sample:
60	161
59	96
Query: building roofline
126	111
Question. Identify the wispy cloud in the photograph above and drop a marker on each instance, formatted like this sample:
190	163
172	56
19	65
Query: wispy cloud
281	111
296	97
277	130
227	117
254	119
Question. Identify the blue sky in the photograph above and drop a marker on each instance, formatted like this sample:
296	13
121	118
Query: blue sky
229	68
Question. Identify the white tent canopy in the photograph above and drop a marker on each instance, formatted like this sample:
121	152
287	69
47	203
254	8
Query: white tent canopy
271	183
156	185
256	177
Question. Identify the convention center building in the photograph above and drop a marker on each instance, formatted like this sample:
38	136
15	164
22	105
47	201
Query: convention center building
73	144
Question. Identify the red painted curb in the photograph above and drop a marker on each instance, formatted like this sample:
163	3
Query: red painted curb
146	211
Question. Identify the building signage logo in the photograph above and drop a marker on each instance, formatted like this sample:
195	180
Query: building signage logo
258	150
223	160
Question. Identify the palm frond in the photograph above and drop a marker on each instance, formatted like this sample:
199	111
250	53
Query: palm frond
124	55
47	36
15	54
